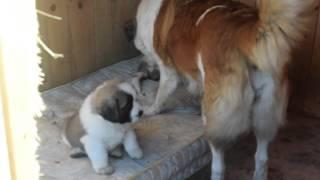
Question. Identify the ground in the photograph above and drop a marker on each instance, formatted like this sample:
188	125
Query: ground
294	155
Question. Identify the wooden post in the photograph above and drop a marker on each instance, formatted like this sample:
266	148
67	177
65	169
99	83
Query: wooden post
19	80
315	66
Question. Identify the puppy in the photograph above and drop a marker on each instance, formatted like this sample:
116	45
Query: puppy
239	56
104	123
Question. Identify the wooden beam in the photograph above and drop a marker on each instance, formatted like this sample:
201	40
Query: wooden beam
315	66
19	81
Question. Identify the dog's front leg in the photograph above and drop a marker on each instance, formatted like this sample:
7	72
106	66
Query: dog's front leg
168	83
97	154
131	145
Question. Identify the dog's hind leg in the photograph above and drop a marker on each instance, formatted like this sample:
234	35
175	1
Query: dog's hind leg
261	158
226	118
267	114
217	164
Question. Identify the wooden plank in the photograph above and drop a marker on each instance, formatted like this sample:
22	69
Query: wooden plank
249	2
82	34
132	11
43	34
91	35
111	42
315	67
58	40
119	12
104	32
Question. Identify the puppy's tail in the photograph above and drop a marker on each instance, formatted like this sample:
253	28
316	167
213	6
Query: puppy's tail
281	25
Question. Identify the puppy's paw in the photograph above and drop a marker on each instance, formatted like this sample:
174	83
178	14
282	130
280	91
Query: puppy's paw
77	153
136	154
105	170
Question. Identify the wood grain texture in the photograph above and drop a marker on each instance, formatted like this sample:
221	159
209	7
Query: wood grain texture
91	35
54	33
302	55
249	2
104	32
82	33
315	67
43	31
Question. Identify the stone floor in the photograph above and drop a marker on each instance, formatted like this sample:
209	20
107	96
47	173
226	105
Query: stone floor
172	142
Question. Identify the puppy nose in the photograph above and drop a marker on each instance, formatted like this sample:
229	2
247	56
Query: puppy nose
140	113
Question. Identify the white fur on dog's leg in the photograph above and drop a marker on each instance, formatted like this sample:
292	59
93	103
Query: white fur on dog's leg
168	83
97	154
261	160
217	165
131	145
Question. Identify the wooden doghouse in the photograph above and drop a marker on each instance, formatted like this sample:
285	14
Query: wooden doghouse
82	43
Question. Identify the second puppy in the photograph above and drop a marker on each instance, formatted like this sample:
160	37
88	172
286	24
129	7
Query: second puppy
104	123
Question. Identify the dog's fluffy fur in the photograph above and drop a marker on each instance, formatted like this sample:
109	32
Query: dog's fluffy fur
104	123
237	54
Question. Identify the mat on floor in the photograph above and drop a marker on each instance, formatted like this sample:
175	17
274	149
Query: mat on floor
171	142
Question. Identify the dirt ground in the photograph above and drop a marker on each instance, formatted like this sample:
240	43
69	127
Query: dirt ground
293	155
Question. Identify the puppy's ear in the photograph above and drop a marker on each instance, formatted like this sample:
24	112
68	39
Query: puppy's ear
110	112
125	106
125	100
119	111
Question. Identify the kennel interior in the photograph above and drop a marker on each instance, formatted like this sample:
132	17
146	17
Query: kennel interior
85	42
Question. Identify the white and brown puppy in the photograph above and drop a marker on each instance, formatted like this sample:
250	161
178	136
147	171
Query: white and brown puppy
104	123
239	54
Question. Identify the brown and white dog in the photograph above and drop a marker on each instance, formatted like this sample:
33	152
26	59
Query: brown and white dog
237	55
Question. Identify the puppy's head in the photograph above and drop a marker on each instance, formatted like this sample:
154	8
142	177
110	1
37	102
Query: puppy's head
122	105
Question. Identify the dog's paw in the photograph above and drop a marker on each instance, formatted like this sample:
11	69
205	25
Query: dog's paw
149	111
136	154
105	170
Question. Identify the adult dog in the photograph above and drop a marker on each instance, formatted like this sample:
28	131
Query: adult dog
237	54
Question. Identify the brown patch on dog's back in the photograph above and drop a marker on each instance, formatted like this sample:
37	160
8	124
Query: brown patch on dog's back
178	37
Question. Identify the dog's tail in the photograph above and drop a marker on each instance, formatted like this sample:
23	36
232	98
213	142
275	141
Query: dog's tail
281	25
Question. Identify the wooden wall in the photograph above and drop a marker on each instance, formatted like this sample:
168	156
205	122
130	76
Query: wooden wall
90	34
